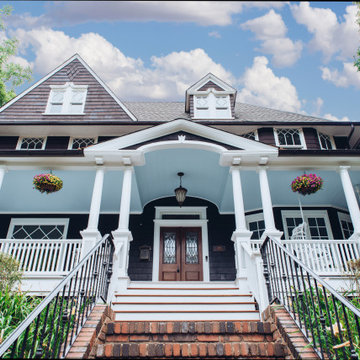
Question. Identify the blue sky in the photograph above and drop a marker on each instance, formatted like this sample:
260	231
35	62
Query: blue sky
292	56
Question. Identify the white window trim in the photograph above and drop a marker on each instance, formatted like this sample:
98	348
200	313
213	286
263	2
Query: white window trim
20	140
71	140
345	217
301	135
67	88
331	140
307	213
202	223
38	221
253	217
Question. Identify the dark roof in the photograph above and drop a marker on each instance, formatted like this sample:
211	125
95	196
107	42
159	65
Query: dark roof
166	111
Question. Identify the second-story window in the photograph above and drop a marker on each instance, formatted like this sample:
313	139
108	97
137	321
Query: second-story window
325	141
291	138
31	143
81	143
66	99
252	135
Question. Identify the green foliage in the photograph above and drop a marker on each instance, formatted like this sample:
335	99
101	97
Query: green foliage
11	74
357	56
311	305
15	306
9	271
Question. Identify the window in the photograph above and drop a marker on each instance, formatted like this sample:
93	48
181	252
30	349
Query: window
212	106
80	143
346	225
51	229
252	135
290	138
326	142
31	143
66	99
256	224
317	220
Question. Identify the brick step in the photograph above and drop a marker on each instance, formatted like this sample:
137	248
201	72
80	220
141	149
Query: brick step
190	339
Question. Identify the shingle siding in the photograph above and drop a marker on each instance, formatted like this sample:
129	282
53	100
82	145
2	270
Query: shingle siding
100	105
266	136
311	138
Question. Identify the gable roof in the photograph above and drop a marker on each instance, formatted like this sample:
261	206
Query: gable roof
71	73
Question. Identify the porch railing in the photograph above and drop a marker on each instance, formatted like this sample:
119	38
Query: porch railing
43	256
328	320
325	257
52	327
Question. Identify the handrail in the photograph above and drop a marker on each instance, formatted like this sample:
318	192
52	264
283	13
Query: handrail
328	320
78	292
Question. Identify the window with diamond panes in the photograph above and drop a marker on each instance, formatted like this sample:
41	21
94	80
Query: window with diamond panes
192	250
27	231
169	256
325	142
81	143
289	137
31	143
250	135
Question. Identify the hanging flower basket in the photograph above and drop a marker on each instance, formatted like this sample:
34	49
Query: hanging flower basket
47	183
307	184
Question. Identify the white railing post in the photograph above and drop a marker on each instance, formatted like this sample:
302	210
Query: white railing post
122	237
2	174
270	229
350	200
241	233
91	234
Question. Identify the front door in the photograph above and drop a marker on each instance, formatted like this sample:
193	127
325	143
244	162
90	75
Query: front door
180	254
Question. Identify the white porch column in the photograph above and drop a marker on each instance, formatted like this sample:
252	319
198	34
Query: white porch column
270	229
350	200
122	236
2	174
91	234
241	233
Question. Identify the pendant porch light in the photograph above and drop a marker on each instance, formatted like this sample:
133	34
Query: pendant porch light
180	192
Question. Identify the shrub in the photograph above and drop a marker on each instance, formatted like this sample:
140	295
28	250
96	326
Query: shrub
9	271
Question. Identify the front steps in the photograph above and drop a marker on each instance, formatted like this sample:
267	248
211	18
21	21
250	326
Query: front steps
190	339
184	301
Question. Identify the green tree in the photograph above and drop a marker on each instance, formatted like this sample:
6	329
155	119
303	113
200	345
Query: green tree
357	56
11	74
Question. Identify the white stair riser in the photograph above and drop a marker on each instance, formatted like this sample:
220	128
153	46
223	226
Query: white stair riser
183	299
183	284
186	316
183	307
182	292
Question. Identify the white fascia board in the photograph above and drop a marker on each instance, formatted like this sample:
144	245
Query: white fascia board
76	56
210	77
181	125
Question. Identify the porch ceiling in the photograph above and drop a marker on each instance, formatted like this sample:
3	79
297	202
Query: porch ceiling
204	178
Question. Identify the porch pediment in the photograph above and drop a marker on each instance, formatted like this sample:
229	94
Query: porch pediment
130	149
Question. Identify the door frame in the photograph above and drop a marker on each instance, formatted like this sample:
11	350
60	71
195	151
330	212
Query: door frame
200	223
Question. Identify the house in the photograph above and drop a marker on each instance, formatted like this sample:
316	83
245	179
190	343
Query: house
120	164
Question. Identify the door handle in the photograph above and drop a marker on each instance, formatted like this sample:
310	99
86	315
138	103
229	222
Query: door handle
178	270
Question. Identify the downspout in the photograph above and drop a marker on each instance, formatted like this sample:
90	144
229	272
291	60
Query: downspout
351	134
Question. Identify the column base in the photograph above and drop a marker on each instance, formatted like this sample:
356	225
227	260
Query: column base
355	237
241	235
90	238
274	234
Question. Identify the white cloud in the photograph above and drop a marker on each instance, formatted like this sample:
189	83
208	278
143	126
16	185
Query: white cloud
318	103
262	87
166	78
215	34
330	35
332	117
271	30
349	76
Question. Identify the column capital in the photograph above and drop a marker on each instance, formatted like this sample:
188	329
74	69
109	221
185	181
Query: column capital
344	167
234	168
261	167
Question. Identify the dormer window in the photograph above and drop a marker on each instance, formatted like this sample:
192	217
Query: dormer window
66	99
326	141
81	143
31	143
290	138
212	106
